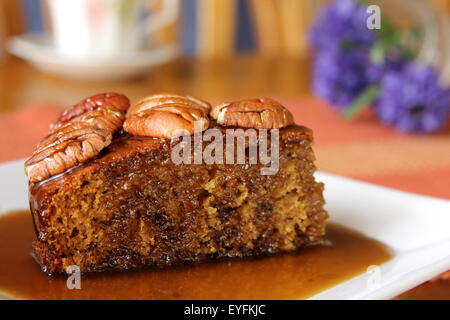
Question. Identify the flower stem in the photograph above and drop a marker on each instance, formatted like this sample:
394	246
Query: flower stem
361	102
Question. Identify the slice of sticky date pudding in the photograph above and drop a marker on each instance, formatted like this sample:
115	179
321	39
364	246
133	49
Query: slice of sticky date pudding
171	181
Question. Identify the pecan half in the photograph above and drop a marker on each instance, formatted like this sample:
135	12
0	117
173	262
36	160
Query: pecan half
64	148
263	113
78	135
107	119
169	98
167	116
111	101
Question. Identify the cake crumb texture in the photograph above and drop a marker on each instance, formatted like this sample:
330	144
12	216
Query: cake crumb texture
132	208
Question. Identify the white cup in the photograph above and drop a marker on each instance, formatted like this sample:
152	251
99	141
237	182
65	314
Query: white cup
105	28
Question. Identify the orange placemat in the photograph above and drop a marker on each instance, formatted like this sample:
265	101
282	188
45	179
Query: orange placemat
365	149
22	130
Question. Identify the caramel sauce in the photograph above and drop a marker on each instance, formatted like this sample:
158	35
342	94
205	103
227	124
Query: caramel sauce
286	276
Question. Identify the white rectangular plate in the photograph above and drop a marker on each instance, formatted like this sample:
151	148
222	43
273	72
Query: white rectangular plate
416	228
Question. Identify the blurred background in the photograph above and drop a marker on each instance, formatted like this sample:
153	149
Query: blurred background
211	48
317	57
216	49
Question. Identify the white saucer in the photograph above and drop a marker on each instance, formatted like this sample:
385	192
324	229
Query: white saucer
39	51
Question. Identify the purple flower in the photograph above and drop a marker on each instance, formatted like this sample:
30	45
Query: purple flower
392	62
343	23
411	99
339	77
342	42
409	95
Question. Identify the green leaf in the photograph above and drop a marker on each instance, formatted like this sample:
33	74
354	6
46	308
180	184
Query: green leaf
361	102
378	53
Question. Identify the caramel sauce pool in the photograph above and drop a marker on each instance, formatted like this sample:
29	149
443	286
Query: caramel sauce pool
287	276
